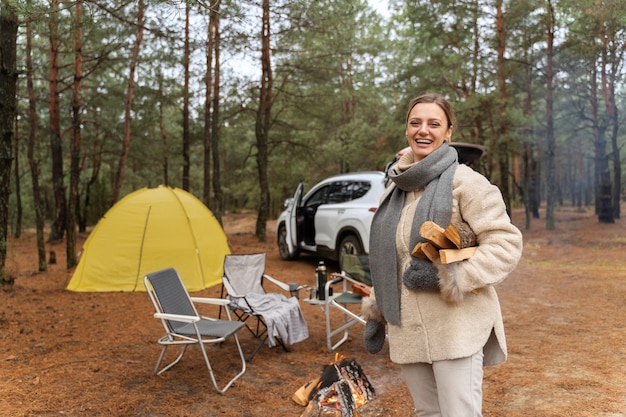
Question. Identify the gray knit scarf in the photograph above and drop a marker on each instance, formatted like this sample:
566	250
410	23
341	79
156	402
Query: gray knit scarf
435	172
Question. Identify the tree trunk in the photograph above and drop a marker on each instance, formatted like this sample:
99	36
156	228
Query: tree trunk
56	149
164	147
263	124
604	208
8	105
529	193
128	104
525	185
34	165
605	188
605	213
96	162
612	60
186	139
218	206
503	134
601	174
208	84
550	142
579	175
75	144
617	165
18	193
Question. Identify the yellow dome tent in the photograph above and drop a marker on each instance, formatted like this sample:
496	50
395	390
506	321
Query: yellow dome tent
148	230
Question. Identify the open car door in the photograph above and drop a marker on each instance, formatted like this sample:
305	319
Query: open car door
288	238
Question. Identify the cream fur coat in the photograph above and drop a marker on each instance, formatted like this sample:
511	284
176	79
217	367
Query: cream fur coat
432	329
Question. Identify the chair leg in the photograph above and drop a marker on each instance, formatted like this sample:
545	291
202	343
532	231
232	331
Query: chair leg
256	349
331	333
262	342
349	319
171	364
236	377
259	332
285	348
256	332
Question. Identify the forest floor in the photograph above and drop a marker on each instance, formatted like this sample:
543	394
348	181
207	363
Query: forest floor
64	353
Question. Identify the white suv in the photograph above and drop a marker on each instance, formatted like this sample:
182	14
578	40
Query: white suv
334	217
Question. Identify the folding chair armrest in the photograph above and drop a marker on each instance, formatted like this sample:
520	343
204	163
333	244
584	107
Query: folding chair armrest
335	281
177	317
338	277
358	286
213	301
276	282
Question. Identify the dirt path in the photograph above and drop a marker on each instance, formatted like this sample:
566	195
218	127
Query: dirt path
91	354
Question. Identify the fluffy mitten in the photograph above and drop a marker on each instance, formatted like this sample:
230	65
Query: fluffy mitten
449	285
374	336
369	308
421	275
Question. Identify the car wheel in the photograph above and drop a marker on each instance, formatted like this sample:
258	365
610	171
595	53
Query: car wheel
350	245
283	246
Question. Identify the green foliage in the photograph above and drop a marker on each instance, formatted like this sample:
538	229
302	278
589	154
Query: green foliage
343	76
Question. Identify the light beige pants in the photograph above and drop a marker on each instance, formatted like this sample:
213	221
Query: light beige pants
446	388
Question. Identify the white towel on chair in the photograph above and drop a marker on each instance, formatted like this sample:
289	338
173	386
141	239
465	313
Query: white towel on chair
282	316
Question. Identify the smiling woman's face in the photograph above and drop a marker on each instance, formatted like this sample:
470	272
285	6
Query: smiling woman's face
426	129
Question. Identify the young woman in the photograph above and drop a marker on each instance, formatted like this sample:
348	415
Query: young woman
443	320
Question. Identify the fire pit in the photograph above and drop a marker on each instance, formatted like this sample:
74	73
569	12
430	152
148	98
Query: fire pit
339	391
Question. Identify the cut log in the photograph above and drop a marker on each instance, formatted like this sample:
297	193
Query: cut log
312	410
426	250
431	252
461	235
330	412
301	396
418	251
435	234
455	255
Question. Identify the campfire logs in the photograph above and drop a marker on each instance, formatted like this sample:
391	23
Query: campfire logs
340	390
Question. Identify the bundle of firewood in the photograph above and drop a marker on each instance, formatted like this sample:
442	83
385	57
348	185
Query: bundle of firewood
452	244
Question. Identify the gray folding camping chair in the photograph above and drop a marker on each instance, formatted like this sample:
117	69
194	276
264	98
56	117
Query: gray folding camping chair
343	294
270	317
184	326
